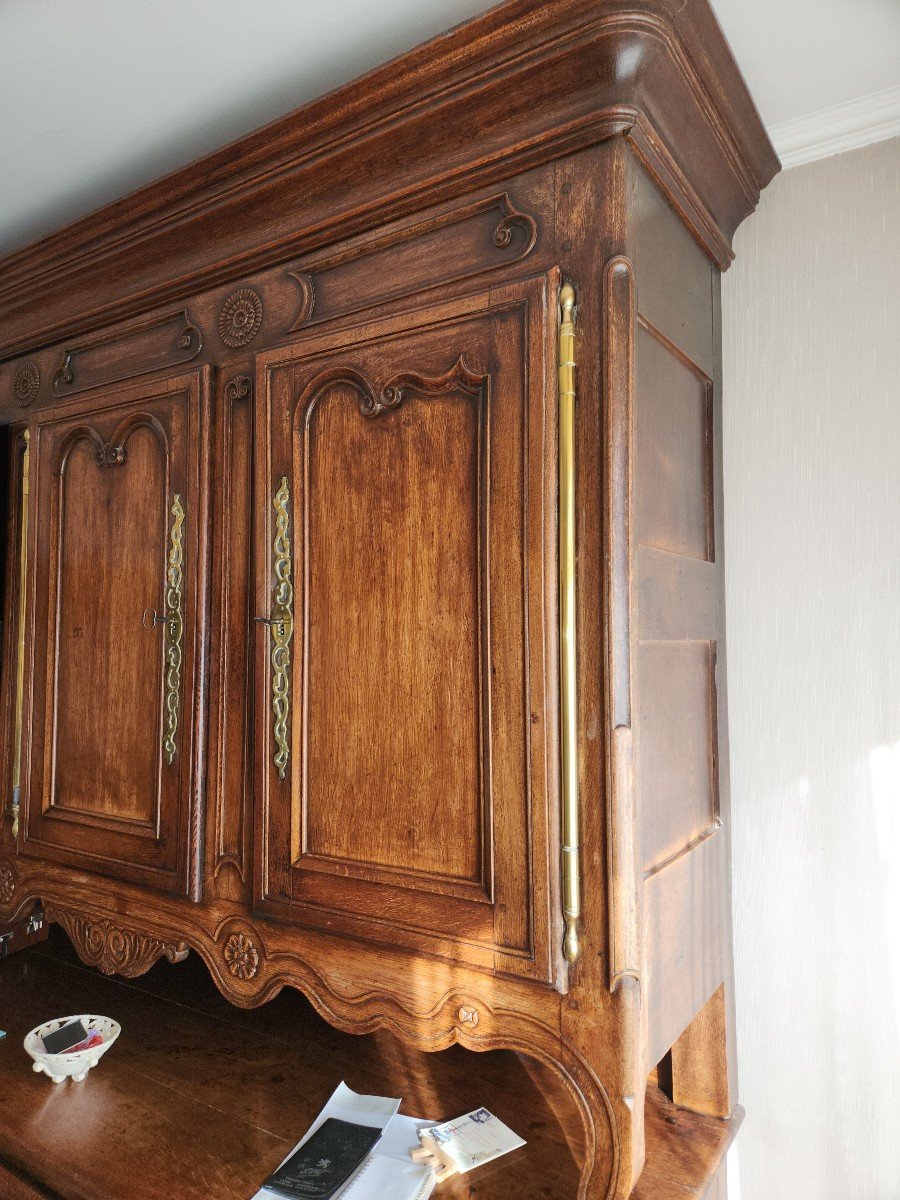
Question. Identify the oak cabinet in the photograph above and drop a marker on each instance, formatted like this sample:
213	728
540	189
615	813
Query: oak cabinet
362	605
118	618
404	528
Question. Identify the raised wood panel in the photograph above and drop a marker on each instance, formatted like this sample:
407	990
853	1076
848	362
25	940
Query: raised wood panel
686	940
111	543
451	243
673	450
677	766
416	804
396	572
113	720
675	275
677	597
135	349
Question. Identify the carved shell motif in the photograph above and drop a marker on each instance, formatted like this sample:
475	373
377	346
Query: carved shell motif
7	884
241	956
26	383
240	318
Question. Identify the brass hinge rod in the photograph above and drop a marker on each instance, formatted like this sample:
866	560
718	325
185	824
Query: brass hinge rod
20	648
571	876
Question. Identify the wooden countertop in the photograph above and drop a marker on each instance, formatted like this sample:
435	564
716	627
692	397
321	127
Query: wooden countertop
199	1100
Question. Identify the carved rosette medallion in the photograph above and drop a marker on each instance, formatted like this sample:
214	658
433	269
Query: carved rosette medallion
241	956
26	384
240	318
7	883
113	949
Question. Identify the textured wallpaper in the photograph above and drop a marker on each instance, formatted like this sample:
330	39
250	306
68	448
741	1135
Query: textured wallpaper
812	527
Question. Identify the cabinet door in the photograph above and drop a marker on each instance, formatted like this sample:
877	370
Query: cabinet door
116	601
405	518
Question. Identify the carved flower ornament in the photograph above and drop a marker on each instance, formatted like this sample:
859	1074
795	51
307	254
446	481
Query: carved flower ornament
241	956
240	318
26	383
7	884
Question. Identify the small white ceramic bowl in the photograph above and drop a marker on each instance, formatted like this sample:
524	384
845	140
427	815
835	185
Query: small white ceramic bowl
74	1066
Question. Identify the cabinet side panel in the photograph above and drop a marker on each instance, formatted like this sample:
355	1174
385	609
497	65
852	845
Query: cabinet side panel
677	619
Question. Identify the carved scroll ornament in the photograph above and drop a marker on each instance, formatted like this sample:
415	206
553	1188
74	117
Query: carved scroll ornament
113	949
239	388
374	400
7	883
135	350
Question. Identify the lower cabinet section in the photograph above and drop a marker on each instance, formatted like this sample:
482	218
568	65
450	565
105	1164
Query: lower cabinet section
413	1004
212	1120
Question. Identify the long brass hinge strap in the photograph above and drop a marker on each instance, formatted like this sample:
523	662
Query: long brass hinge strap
281	626
174	627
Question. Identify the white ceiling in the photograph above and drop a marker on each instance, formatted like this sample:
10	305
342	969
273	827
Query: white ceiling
98	97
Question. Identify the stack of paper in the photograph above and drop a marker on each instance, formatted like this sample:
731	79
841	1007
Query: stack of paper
388	1173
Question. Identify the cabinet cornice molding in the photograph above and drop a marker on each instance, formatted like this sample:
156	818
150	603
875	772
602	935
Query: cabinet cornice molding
529	81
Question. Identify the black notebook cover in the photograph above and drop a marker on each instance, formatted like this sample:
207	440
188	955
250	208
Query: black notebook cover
324	1164
61	1039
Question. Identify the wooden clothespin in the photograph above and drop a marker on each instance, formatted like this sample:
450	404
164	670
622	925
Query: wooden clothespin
429	1155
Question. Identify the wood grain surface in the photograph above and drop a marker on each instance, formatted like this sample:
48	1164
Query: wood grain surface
199	1101
338	344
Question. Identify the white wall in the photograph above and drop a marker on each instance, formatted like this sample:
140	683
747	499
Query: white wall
812	528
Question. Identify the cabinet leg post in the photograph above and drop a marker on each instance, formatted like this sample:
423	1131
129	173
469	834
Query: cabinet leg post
700	1077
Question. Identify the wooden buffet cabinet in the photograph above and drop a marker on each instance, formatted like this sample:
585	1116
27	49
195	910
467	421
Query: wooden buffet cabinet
363	590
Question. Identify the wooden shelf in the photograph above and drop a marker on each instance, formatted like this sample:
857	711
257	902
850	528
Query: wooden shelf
200	1100
684	1150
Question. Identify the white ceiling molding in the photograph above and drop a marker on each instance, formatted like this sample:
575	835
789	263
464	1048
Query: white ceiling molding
844	127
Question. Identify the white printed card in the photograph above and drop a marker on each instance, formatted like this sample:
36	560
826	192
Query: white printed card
470	1141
